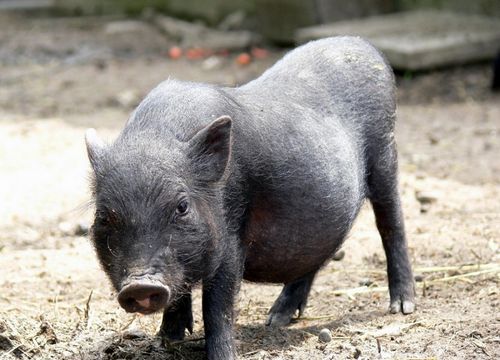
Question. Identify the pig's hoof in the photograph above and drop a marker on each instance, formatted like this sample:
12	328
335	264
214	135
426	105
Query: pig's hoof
175	330
173	334
293	297
402	296
406	306
177	319
279	319
283	311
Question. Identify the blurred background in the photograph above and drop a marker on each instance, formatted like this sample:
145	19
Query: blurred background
66	65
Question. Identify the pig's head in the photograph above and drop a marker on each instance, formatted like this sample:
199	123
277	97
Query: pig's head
159	214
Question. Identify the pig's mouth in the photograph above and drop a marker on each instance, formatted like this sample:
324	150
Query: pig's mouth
144	296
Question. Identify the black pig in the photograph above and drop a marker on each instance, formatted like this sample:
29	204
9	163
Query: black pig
212	185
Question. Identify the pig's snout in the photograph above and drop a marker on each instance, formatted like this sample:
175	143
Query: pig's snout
143	297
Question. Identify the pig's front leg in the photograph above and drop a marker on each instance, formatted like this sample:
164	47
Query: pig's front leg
177	318
219	293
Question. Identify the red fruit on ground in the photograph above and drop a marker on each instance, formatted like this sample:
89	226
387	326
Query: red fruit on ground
243	59
175	52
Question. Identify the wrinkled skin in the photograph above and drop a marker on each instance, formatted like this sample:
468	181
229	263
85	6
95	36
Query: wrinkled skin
263	182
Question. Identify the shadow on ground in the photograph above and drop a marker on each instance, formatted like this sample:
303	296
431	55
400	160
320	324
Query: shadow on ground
251	339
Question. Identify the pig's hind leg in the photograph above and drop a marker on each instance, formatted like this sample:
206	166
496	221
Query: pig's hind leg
384	196
293	297
177	318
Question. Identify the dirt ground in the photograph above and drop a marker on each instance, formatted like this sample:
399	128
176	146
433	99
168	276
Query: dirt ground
58	77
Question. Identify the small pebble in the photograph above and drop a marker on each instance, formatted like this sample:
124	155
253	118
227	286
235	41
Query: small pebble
425	207
339	255
82	229
70	229
425	197
357	353
100	64
419	278
433	139
366	282
210	63
325	335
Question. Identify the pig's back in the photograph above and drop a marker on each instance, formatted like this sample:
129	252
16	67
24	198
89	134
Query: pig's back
344	77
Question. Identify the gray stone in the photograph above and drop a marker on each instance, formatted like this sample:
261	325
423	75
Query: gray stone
420	39
325	336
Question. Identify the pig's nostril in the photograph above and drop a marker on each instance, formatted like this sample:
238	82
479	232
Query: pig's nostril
154	298
143	297
129	303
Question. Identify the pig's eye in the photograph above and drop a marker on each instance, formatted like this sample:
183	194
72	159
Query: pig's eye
182	207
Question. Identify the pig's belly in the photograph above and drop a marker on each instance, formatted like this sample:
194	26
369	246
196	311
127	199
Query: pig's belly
301	212
281	250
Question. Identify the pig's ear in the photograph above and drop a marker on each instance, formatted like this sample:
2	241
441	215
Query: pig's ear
95	148
210	149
